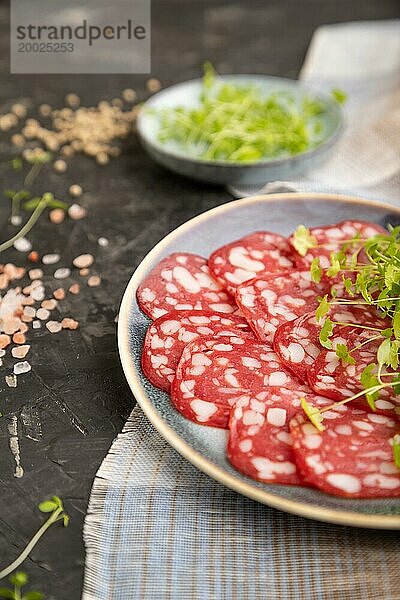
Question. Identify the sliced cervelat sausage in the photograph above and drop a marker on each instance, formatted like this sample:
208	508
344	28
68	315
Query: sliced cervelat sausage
168	335
256	254
182	281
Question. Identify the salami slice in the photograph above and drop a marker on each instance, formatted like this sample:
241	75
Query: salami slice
272	300
352	457
331	239
213	374
182	281
168	335
260	444
254	255
297	342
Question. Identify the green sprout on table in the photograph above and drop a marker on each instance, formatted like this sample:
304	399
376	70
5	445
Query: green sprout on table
38	205
18	581
57	513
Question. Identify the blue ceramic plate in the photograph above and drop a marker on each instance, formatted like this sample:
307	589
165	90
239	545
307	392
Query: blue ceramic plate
205	446
180	160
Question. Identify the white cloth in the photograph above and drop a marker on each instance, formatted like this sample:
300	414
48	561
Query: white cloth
363	59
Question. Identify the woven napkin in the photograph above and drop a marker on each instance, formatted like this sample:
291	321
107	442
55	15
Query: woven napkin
157	528
363	59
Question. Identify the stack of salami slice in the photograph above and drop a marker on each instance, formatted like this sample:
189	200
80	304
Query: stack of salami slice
235	341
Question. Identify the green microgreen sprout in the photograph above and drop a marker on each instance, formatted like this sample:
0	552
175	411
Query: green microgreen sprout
57	513
303	241
396	450
370	273
39	205
339	95
19	580
313	414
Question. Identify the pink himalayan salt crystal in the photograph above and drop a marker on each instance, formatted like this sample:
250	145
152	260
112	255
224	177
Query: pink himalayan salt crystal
5	340
94	281
11	325
49	304
75	288
11	380
77	212
13	272
19	337
83	261
50	259
84	272
21	367
59	294
35	274
57	215
20	351
42	314
54	326
68	323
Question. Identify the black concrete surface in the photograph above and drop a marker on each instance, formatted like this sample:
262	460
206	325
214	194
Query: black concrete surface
76	388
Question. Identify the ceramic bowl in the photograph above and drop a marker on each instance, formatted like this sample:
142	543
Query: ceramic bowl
179	160
205	446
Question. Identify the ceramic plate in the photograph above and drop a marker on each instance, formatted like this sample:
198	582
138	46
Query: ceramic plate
178	159
205	446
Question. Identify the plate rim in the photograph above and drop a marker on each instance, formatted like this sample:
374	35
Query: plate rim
262	163
307	510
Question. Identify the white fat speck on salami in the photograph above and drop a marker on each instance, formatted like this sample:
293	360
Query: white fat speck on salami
297	342
352	457
168	335
269	301
182	281
213	373
256	254
259	443
330	238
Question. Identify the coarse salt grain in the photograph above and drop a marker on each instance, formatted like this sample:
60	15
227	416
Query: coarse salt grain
50	259
94	281
60	166
19	337
75	288
103	242
29	311
68	323
83	261
22	245
16	220
11	381
38	294
35	274
57	215
49	304
54	326
21	367
77	212
20	351
36	324
5	340
62	273
75	190
59	294
33	256
42	314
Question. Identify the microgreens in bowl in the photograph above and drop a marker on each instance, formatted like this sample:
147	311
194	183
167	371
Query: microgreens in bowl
241	123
